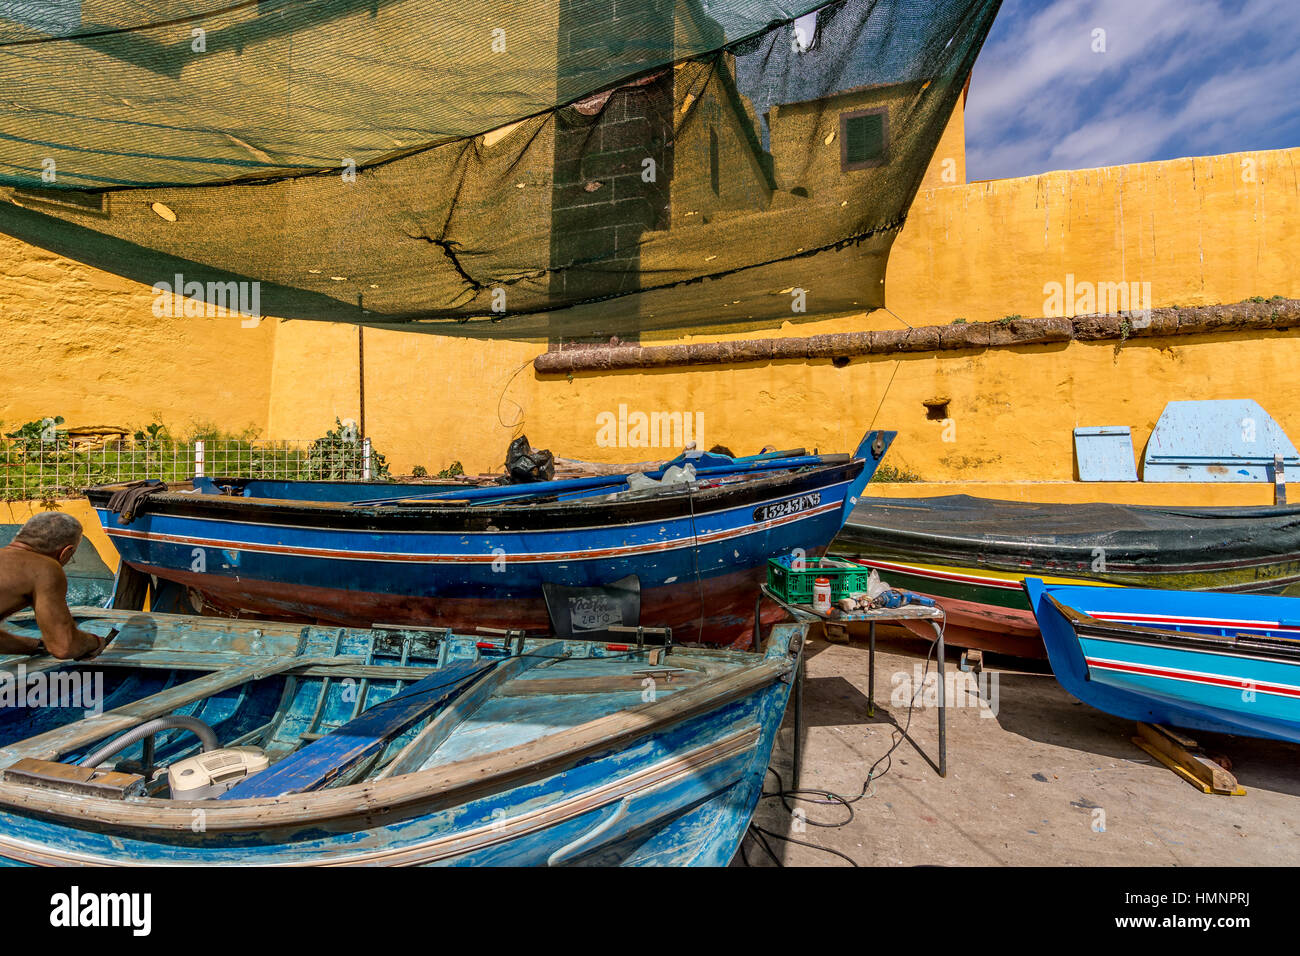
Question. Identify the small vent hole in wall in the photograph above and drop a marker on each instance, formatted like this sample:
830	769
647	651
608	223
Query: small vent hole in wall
936	409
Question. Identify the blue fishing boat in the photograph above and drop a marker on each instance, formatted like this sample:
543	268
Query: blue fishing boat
196	740
360	554
1228	663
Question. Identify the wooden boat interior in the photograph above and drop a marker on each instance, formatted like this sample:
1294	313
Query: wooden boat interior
710	470
330	707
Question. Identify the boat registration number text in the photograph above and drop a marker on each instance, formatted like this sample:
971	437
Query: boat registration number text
788	507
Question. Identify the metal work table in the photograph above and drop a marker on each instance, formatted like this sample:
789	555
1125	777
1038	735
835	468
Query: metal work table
886	615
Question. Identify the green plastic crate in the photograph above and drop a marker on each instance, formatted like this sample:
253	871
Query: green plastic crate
796	587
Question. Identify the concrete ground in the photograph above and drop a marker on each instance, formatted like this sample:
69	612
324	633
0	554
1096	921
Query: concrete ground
1045	780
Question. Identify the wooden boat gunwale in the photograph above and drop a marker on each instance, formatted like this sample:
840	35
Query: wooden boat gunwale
617	792
420	791
1122	633
455	518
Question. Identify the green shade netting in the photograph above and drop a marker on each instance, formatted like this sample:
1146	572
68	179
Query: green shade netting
569	170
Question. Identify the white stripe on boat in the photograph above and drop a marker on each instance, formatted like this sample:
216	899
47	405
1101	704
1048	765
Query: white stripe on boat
943	575
1194	677
1224	622
647	547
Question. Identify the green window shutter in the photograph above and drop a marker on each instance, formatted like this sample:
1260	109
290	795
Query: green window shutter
864	139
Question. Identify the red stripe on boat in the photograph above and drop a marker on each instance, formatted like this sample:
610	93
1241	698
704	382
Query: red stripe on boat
1191	621
396	556
942	575
1192	677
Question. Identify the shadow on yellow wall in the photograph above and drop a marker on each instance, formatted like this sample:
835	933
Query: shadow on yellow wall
1199	231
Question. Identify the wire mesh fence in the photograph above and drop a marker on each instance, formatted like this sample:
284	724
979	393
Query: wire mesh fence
61	467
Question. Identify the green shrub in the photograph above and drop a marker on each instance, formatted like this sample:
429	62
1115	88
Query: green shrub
887	472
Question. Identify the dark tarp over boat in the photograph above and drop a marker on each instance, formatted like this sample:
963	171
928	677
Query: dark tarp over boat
972	553
1138	540
576	169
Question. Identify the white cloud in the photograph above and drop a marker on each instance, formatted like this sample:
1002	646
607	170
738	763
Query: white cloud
1193	75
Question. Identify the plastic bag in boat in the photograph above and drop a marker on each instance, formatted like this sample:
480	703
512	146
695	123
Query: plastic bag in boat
675	475
525	464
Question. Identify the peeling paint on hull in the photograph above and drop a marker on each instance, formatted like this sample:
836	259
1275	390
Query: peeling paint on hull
699	557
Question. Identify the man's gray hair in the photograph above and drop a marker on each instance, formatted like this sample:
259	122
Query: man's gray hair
49	532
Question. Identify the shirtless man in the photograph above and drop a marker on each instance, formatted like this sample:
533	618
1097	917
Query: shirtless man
31	575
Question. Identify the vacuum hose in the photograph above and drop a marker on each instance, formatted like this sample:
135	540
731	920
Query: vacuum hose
206	737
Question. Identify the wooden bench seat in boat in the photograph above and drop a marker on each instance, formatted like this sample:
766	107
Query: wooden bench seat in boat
325	759
544	751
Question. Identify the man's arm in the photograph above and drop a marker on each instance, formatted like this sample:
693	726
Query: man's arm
17	644
58	629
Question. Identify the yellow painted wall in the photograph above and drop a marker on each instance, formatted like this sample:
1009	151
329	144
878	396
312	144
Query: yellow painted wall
85	344
17	512
430	400
1202	231
948	164
1194	228
1013	411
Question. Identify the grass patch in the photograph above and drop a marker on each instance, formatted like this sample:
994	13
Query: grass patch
886	472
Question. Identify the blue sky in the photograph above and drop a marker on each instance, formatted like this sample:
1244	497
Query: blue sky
1177	78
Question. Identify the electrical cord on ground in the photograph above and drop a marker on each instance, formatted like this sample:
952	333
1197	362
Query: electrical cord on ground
762	839
762	834
830	798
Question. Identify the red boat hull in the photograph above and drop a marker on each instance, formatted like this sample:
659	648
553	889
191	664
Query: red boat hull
729	600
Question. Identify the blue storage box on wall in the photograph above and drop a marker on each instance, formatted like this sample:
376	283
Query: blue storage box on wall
1105	453
1229	440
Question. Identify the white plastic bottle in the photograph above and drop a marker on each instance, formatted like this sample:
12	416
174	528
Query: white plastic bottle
822	596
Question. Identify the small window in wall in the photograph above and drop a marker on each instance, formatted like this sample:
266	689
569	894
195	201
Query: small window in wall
864	139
